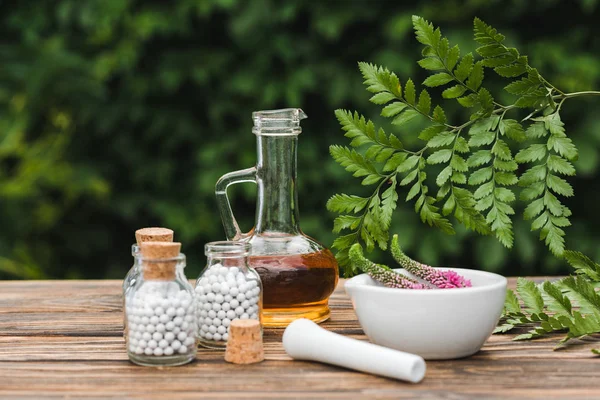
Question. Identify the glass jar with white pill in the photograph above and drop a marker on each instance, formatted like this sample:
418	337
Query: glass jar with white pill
227	289
160	309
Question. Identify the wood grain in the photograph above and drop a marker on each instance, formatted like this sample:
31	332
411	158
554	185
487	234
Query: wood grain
62	339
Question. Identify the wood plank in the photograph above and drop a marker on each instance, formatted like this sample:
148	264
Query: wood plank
64	338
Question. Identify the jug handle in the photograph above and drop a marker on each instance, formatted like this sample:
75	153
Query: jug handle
232	229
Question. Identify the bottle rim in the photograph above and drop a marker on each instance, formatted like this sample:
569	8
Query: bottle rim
227	249
283	122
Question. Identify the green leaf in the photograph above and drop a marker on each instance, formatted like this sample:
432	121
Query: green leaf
534	174
393	109
343	203
533	209
479	158
464	67
410	177
431	64
345	222
371	179
563	146
382	98
532	153
394	162
441	139
439	115
425	32
429	132
440	156
409	92
559	185
512	129
536	130
482	138
557	302
405	117
500	149
438	79
443	177
560	165
531	295
505	178
511	305
459	164
414	190
511	71
480	176
475	77
424	104
453	92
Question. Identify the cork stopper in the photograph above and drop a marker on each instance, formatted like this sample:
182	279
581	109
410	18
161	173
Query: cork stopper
153	235
245	343
159	251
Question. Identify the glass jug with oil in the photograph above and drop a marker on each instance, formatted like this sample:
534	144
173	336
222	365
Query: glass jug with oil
298	273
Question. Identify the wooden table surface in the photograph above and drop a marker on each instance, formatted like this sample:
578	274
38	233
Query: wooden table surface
63	339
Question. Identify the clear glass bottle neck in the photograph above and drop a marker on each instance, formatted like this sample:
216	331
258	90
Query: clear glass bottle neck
277	207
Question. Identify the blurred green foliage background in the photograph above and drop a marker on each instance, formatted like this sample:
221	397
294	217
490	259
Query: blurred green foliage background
120	114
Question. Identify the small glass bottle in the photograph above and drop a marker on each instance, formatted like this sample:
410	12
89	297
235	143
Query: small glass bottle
227	289
160	309
141	235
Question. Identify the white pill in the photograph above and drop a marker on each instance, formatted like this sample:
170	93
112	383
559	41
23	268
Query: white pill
189	341
160	328
199	290
227	298
145	320
254	316
189	318
159	311
203	313
210	297
243	287
216	307
139	350
234	303
230	275
178	321
234	291
150	328
185	326
219	298
217	337
176	344
221	329
132	348
163	343
180	312
212	329
224	288
212	314
148	351
204	328
158	351
253	300
185	303
152	344
170	325
226	336
240	276
138	335
208	320
221	314
168	351
157	336
142	343
182	350
202	299
171	311
164	318
234	270
169	336
239	310
181	336
202	334
176	330
212	279
207	306
208	336
216	322
241	297
146	336
207	288
244	316
226	322
216	287
225	306
245	304
231	314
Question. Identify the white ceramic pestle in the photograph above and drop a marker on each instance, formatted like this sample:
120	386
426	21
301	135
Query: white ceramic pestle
305	340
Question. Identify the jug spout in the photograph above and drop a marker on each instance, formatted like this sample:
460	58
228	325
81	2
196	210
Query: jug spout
278	122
